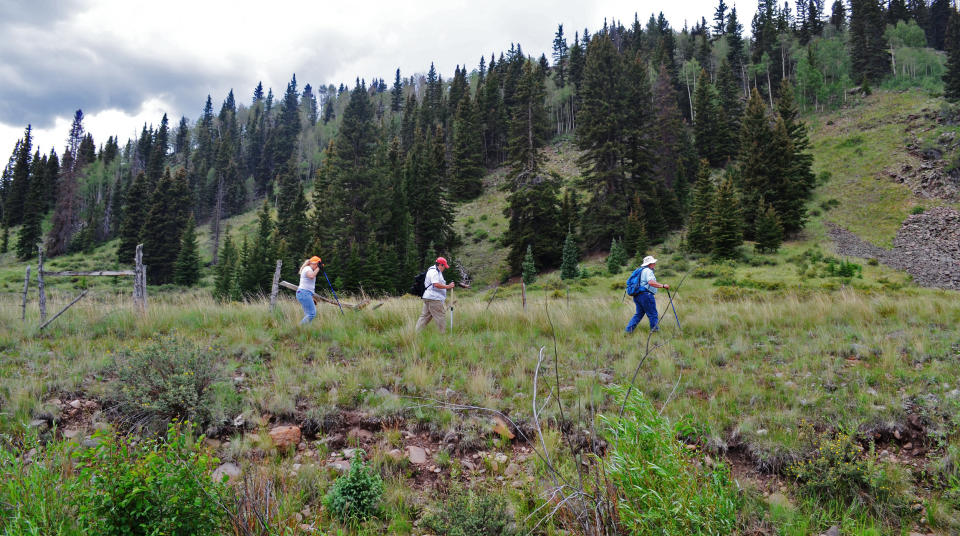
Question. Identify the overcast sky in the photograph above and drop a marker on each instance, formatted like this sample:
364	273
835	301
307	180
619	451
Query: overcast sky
126	62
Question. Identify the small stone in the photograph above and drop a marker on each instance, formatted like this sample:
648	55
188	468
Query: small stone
501	429
779	499
342	466
359	435
349	453
76	404
762	432
896	434
832	531
436	469
239	421
71	433
500	458
468	465
285	436
212	443
301	446
416	455
42	424
229	469
90	443
511	470
91	405
908	446
396	454
449	393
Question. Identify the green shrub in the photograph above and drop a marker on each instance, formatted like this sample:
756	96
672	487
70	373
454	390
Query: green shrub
356	496
835	469
169	378
917	210
32	491
664	488
706	272
471	514
152	487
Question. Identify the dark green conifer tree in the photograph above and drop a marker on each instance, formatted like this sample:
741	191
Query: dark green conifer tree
561	56
30	234
576	61
708	124
570	211
396	94
158	151
292	225
466	169
571	256
533	209
635	231
19	185
869	54
135	213
768	232
951	78
169	209
225	279
755	150
727	232
731	111
700	225
617	257
259	259
186	270
529	267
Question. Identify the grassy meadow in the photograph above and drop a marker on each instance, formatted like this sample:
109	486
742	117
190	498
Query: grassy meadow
805	390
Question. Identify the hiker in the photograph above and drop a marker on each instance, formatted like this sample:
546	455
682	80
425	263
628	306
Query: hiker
434	295
307	287
642	285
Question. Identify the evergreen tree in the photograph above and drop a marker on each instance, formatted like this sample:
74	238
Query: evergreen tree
258	261
134	214
838	15
700	226
225	281
186	270
769	232
799	175
720	19
158	153
291	220
30	234
939	19
571	256
66	214
533	208
19	185
602	126
635	231
570	211
529	267
576	61
735	52
951	78
396	94
708	125
617	257
731	111
466	171
755	150
727	234
5	241
561	55
169	210
869	54
669	131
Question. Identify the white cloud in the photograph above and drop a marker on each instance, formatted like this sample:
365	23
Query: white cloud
125	63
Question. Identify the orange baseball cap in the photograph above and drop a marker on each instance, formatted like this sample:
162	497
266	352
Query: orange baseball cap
315	259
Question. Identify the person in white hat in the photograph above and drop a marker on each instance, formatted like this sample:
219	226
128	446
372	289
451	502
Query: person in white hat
643	286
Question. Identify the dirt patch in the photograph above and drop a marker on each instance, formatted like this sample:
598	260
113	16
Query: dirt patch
927	246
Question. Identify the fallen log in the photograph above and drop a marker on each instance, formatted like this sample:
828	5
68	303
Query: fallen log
318	298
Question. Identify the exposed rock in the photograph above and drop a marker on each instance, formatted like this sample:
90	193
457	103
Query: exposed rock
229	469
40	424
927	246
416	455
349	453
501	429
779	499
76	404
395	454
285	436
71	433
360	435
342	466
832	531
512	470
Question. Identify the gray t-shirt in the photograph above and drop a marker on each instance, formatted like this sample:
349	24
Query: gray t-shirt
433	278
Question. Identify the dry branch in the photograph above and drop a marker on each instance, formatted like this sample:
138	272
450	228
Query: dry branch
318	298
75	300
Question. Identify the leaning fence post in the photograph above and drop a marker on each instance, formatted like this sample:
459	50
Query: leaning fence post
26	286
276	285
69	305
140	281
41	289
523	294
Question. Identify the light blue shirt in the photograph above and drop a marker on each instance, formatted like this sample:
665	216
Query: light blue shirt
646	276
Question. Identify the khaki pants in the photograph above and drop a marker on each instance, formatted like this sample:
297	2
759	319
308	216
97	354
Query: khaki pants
432	310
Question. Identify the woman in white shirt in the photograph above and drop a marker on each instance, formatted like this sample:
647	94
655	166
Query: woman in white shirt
307	286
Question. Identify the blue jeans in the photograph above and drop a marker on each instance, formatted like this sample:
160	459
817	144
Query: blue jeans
646	305
305	297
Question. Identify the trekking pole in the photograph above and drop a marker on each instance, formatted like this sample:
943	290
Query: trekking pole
674	310
451	308
329	284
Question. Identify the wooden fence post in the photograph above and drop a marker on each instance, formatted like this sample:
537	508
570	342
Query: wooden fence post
523	294
26	286
140	281
276	285
41	289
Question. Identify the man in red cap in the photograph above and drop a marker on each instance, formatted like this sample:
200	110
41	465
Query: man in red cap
435	295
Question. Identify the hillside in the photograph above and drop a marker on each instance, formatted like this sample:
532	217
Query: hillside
779	357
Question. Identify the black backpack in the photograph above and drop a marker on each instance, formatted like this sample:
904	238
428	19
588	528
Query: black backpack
419	284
